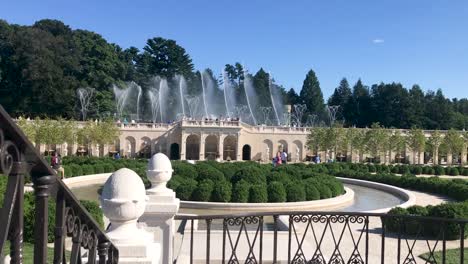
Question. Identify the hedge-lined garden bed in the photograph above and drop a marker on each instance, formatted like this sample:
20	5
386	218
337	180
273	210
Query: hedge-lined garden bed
241	182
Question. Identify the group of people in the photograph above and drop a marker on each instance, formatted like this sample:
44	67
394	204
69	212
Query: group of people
280	158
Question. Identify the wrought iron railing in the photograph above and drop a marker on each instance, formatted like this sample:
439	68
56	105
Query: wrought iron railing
319	237
19	158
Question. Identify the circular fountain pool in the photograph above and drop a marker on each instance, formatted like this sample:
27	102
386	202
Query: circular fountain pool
365	199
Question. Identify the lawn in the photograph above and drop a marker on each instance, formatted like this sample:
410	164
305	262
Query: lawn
28	253
452	256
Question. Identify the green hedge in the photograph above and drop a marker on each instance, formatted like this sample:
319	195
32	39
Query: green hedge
276	192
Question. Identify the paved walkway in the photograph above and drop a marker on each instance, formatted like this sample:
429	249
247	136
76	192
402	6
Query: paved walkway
182	242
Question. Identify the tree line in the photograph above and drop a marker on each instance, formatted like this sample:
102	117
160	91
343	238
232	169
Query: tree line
42	66
386	145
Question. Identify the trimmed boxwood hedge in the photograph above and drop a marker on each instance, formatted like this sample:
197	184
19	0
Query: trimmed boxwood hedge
276	192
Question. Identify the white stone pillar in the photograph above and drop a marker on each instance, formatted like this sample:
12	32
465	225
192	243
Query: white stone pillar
123	201
162	205
449	158
183	146
201	154
221	146
463	155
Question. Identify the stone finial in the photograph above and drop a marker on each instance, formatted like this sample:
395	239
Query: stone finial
159	173
123	201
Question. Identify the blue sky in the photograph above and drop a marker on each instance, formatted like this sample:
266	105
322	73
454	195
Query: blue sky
408	41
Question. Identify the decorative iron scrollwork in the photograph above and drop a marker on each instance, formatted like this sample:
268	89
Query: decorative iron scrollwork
9	153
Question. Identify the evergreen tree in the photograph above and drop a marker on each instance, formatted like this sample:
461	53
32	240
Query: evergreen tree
340	97
311	95
356	111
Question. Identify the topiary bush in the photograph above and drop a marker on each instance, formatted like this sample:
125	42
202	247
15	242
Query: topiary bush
108	167
311	191
185	189
184	169
258	194
325	192
393	224
240	192
250	174
87	169
93	208
439	170
295	192
276	192
454	171
222	192
203	191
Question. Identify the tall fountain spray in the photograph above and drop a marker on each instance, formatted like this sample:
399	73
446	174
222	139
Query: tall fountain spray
226	90
248	89
163	90
270	84
204	92
153	95
85	95
181	93
122	96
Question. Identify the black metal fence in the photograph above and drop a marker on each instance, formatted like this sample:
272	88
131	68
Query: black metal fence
321	237
19	158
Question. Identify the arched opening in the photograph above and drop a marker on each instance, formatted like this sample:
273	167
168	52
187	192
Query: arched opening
129	148
283	146
297	155
192	147
211	147
175	151
145	148
230	148
246	152
268	149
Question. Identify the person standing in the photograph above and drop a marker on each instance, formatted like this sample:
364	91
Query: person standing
284	157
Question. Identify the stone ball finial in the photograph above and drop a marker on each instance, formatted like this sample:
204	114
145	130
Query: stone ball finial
159	173
123	201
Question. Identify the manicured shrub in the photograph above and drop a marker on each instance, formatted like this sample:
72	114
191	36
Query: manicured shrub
450	210
454	171
98	168
464	171
76	170
371	168
311	191
335	187
174	182
87	169
279	177
68	171
417	170
276	192
295	192
108	167
325	192
93	208
185	189
392	224
395	169
439	170
415	226
404	169
258	194
240	192
203	191
250	174
222	192
184	169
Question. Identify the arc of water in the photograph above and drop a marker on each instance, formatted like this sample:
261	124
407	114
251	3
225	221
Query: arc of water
247	97
160	96
181	79
204	93
138	103
225	85
270	83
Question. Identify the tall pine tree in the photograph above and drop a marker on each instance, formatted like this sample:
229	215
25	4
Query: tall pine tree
311	95
340	97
